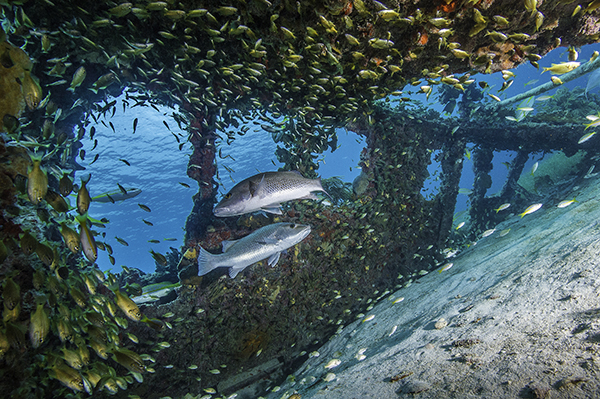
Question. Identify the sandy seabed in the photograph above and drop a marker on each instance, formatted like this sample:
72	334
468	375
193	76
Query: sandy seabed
521	320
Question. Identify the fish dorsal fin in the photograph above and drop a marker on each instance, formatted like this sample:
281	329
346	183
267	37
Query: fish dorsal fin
227	244
273	259
254	188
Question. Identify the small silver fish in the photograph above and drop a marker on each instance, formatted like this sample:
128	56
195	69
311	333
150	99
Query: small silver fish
534	168
266	191
117	195
266	242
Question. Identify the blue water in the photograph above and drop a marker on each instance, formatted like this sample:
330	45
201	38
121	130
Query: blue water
158	166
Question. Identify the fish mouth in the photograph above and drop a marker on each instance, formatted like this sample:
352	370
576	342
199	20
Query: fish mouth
220	212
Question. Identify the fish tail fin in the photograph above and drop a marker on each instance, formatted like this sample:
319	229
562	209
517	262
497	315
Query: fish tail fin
86	181
206	262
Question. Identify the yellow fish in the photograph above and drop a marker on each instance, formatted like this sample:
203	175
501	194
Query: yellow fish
39	326
32	91
78	78
68	376
446	267
128	307
57	202
87	239
531	209
83	197
586	137
502	207
37	182
563	67
70	237
129	359
566	203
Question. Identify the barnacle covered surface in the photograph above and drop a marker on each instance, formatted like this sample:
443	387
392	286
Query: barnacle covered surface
303	69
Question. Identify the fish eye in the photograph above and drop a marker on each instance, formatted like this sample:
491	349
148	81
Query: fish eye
227	196
293	225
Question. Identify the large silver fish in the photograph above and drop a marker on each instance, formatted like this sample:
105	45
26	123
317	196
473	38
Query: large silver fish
265	192
266	242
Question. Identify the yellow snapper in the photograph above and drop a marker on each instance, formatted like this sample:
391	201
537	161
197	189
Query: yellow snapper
83	197
32	91
100	348
129	359
11	294
502	207
45	253
28	243
586	137
37	182
65	332
534	168
87	239
67	376
70	237
128	307
78	78
65	185
266	191
566	203
446	267
266	242
563	67
39	326
57	201
531	209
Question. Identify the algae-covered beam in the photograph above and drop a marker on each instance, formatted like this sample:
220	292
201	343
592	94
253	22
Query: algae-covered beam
201	167
528	136
514	172
482	165
567	77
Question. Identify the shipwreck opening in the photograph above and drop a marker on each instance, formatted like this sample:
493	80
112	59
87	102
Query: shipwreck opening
431	186
501	163
136	145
